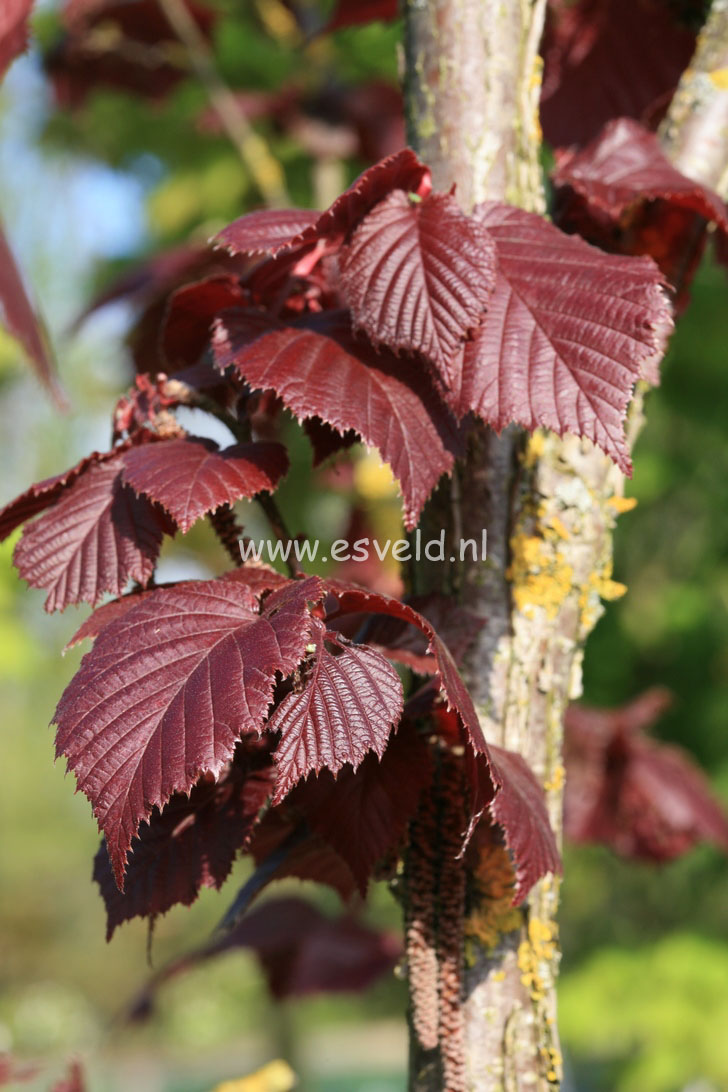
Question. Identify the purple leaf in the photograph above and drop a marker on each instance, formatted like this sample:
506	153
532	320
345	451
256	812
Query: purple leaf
417	276
320	369
519	808
351	599
265	231
97	536
43	494
584	86
644	799
189	477
311	858
364	814
106	613
348	707
402	171
301	951
456	626
167	691
189	316
191	843
569	331
124	44
625	164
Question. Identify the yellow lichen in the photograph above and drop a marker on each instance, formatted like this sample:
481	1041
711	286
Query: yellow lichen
559	527
534	953
553	1061
719	78
611	589
599	586
534	449
556	782
622	504
540	575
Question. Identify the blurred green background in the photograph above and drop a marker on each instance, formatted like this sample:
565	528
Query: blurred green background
644	992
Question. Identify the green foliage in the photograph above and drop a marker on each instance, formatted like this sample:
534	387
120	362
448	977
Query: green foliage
639	1017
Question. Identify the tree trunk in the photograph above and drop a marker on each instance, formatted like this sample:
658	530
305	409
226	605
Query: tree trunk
472	83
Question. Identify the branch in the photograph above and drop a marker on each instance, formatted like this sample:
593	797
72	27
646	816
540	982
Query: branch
252	149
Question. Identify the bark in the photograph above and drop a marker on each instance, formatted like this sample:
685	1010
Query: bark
549	505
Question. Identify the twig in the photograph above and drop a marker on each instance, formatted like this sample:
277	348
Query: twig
280	530
252	149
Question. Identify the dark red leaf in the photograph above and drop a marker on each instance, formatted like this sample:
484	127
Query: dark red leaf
402	171
625	164
97	536
266	231
312	858
301	951
350	599
519	808
569	331
43	494
191	843
320	369
190	477
258	578
351	13
417	276
106	613
348	706
19	318
607	59
364	814
622	194
148	286
303	954
13	37
644	799
190	314
167	691
456	626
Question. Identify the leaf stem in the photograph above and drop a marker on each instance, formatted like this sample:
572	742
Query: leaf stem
280	530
